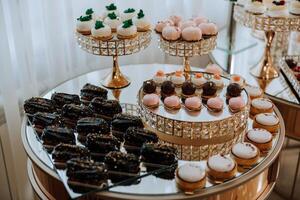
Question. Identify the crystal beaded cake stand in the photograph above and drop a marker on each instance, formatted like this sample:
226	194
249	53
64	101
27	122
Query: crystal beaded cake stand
114	47
266	69
186	49
197	134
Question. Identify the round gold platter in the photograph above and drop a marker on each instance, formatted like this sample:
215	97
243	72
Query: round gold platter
253	184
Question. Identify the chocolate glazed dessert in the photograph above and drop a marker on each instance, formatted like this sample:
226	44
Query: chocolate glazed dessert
71	113
41	120
38	104
187	90
60	99
167	89
89	92
105	109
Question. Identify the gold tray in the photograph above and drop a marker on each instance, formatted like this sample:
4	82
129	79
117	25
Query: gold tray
197	135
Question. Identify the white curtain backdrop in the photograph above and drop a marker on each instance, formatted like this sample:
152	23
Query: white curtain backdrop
38	51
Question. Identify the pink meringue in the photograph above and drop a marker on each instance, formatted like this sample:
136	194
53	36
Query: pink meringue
171	33
215	103
192	34
186	24
176	19
172	102
162	24
193	103
208	29
236	104
213	68
199	20
151	100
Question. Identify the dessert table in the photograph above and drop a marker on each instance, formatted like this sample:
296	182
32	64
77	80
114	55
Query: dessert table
257	183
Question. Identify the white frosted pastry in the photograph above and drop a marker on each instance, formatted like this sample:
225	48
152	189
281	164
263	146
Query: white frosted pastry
101	31
262	103
268	3
191	173
278	9
221	163
255	7
198	80
217	79
268	119
294	7
84	24
237	79
178	78
112	8
141	22
113	21
128	14
127	29
259	136
254	91
159	77
245	150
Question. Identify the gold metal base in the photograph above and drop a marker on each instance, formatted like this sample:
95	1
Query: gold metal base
115	79
265	69
186	64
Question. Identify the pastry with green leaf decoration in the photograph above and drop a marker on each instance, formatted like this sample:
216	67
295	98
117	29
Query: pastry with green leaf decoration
113	21
128	14
101	31
127	30
111	8
91	12
141	22
84	24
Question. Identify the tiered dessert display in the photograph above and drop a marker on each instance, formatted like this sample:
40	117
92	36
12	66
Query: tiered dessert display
97	145
194	37
113	34
270	17
290	66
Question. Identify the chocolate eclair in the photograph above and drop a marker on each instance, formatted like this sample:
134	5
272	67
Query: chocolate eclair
85	175
157	156
91	125
64	152
89	91
71	113
100	145
160	154
149	87
167	89
39	104
121	122
54	135
135	137
60	99
209	90
233	90
122	166
41	120
105	108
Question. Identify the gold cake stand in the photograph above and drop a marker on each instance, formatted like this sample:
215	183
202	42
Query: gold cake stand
114	47
270	25
186	49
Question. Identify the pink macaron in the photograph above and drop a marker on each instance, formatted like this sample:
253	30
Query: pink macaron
191	34
215	104
208	29
162	24
236	104
193	103
172	102
171	33
151	100
186	24
199	20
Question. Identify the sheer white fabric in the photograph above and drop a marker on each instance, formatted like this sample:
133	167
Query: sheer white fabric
38	51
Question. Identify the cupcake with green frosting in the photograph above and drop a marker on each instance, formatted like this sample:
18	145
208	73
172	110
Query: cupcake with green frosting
127	30
141	22
84	24
113	21
111	8
128	14
101	31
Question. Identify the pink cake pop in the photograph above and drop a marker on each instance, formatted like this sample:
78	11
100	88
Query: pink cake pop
176	19
192	34
186	24
199	20
162	24
171	33
208	29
